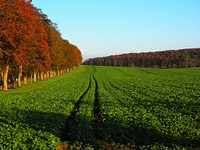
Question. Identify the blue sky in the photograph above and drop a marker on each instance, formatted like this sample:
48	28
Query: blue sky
106	27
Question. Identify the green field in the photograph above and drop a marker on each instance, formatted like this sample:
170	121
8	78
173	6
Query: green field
104	108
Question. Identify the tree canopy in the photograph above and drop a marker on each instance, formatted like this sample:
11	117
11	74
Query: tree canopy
29	39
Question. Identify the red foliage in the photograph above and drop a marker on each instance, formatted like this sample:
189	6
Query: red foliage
29	39
161	59
16	29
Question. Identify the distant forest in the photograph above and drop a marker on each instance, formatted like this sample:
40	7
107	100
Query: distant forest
162	59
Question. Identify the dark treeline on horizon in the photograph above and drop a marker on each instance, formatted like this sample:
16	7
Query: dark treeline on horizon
162	59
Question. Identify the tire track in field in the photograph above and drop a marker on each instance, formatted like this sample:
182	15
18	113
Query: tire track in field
70	119
96	108
97	122
98	125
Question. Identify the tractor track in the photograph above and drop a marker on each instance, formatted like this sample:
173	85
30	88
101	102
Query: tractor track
96	107
96	120
65	132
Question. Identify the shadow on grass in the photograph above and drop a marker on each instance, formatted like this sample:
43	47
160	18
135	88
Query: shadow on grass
39	121
82	131
139	136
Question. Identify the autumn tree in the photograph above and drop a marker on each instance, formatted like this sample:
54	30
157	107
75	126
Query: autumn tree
76	55
30	43
15	32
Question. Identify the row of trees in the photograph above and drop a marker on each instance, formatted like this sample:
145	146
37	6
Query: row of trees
162	59
31	45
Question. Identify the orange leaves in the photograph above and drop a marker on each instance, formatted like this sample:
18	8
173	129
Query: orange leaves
76	54
15	31
30	39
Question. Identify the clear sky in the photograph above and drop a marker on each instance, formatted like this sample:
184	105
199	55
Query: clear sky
106	27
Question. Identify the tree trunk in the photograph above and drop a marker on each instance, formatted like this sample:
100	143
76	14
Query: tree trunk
49	74
25	79
4	78
41	76
54	74
19	77
34	76
45	76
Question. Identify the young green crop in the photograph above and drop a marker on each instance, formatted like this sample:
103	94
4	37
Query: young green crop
151	108
136	108
33	118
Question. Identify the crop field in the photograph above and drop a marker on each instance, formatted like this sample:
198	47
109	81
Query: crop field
94	107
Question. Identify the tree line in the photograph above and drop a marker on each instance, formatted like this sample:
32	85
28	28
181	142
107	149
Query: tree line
162	59
31	45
